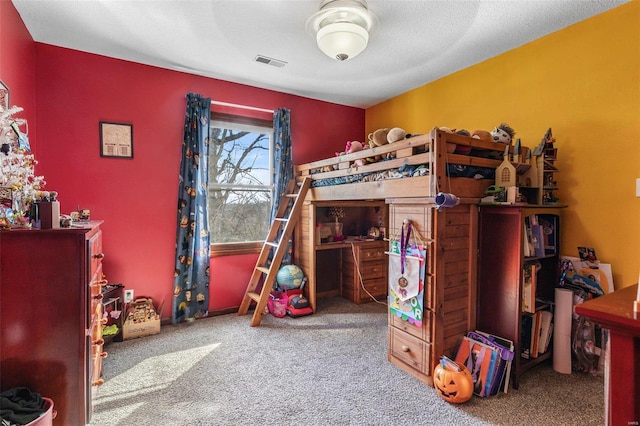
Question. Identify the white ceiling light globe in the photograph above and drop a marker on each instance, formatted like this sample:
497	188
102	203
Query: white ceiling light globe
342	40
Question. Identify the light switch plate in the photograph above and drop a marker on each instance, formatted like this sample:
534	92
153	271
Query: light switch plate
637	187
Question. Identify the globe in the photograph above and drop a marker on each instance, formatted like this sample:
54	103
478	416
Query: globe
289	277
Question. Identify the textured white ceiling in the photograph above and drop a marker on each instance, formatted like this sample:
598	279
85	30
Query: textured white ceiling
414	42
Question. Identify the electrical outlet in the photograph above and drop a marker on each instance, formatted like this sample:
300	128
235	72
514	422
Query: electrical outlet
128	296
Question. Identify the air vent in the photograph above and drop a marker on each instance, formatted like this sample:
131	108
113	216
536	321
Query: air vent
270	61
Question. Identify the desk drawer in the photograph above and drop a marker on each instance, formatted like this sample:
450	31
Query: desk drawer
377	287
371	270
372	253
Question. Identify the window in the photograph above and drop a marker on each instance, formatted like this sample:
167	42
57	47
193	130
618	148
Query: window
240	186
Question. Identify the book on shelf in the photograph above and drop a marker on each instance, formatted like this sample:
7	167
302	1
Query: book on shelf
549	229
540	235
535	335
526	326
528	247
538	240
529	287
546	324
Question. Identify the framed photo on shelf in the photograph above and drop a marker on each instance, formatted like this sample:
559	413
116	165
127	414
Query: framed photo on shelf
116	140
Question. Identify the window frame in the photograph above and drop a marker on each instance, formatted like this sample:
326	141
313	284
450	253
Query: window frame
220	120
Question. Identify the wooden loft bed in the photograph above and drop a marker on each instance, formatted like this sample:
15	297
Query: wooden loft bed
428	165
433	155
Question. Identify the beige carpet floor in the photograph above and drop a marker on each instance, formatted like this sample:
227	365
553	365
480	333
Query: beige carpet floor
329	368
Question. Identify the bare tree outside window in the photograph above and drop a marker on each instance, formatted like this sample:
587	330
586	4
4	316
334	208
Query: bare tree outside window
240	187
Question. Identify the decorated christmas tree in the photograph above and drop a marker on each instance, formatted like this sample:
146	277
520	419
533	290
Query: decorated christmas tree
19	186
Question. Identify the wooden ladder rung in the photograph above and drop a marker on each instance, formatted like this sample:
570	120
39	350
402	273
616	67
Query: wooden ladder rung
263	269
269	243
253	296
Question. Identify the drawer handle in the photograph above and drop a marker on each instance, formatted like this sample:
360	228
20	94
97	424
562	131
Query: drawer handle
98	256
98	382
97	297
98	342
405	348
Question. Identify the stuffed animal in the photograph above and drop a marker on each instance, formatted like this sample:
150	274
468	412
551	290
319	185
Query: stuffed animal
483	135
378	138
396	134
353	146
503	134
451	147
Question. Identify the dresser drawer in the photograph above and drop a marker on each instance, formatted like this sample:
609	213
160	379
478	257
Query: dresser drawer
95	253
95	294
409	349
422	333
97	355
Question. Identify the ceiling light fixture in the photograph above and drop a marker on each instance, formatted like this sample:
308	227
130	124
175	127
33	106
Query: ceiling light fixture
341	27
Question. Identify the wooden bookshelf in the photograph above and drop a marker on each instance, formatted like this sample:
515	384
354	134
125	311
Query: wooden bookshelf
503	257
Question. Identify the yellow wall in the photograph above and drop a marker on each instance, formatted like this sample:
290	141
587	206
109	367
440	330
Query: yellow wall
584	83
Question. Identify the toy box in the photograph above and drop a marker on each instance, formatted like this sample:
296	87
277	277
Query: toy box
142	319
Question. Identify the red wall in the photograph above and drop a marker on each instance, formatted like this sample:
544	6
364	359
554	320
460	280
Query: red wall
17	65
137	198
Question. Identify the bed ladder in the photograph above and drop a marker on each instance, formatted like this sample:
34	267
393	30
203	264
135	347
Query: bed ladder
277	241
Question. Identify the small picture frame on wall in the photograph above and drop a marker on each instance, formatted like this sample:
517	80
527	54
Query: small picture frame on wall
4	96
116	140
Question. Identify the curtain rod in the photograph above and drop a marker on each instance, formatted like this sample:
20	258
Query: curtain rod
241	106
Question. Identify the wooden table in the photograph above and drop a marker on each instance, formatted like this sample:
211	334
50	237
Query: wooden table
614	312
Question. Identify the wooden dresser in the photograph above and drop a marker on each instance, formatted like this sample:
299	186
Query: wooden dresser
50	312
450	235
364	271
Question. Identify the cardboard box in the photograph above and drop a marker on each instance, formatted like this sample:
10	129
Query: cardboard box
142	319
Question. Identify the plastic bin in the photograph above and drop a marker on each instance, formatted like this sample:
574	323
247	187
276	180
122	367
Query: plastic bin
277	303
47	418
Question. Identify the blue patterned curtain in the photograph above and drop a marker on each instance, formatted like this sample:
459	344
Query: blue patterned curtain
282	162
191	283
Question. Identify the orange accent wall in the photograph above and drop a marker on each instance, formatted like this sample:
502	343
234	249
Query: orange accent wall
584	83
70	92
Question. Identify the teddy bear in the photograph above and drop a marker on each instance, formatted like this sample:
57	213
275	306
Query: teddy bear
378	138
396	134
503	134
